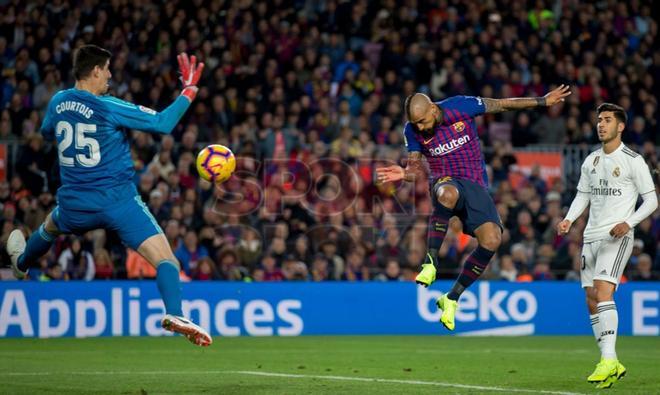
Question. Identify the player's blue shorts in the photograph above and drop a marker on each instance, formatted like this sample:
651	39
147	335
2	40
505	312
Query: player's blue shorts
130	218
475	207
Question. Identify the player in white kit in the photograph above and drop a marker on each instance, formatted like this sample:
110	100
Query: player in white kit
611	180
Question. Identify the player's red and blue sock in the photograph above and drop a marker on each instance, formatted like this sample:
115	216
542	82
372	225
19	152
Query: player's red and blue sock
167	277
473	268
438	223
37	245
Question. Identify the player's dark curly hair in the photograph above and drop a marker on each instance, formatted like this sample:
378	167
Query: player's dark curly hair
618	111
86	58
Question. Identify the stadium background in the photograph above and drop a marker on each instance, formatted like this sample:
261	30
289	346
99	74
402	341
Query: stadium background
308	94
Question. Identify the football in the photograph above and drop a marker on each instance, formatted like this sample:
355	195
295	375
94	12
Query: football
216	163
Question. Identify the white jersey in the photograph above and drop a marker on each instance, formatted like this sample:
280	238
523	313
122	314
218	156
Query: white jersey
614	182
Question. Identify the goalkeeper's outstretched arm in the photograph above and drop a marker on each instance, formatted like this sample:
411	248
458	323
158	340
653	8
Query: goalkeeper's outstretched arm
142	118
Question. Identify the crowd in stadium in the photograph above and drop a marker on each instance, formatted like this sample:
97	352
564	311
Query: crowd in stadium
308	95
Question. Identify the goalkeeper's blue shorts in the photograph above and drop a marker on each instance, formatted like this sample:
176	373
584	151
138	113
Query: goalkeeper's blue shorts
474	207
130	218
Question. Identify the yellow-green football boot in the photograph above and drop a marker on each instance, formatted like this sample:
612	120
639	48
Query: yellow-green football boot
609	382
426	276
620	370
448	308
605	368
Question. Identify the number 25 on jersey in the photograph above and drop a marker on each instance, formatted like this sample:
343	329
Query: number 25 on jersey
88	153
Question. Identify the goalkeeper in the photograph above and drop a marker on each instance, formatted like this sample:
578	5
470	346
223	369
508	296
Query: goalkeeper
91	130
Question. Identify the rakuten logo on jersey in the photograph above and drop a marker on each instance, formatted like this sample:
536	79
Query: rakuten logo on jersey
483	306
451	146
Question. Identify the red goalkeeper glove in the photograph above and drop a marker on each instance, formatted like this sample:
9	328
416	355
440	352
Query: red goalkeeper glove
190	73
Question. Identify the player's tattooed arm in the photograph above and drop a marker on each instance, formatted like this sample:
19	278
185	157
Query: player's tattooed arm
520	103
414	169
516	103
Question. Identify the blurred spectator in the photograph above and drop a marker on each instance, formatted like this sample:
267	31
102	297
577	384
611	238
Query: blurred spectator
33	164
105	269
644	233
508	270
76	263
189	252
575	272
270	271
294	270
205	270
329	250
138	268
524	276
542	270
355	269
642	271
390	246
301	249
229	266
637	250
392	271
320	270
249	247
56	272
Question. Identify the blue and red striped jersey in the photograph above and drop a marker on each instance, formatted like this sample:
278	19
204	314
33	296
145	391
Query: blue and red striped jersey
453	150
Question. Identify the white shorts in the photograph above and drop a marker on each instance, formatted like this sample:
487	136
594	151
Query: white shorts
605	260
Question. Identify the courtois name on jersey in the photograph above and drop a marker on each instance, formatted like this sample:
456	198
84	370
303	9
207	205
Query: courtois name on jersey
614	182
74	106
96	167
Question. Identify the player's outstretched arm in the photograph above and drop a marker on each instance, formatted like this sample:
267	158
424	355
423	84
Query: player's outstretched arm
520	103
190	75
142	118
414	170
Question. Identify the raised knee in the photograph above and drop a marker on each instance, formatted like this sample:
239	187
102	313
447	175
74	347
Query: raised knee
492	240
447	196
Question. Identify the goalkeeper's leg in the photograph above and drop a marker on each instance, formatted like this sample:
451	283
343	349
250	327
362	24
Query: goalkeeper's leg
155	248
139	230
23	255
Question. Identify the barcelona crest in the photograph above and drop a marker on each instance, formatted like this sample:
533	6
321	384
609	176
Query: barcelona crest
458	127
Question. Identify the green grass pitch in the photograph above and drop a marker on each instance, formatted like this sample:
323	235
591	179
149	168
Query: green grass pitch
315	364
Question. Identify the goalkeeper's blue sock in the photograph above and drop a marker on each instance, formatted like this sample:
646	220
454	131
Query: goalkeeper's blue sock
37	245
167	277
473	267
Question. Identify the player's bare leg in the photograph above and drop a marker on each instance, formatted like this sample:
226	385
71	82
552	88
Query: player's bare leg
446	197
23	254
489	236
157	251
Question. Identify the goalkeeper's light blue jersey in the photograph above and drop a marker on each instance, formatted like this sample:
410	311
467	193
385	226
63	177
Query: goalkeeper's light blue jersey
96	167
